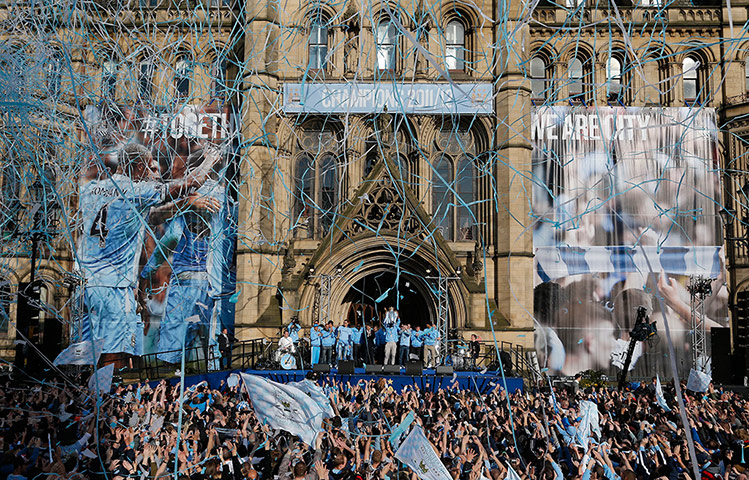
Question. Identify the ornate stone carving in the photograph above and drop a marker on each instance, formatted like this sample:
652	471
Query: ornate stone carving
383	209
289	263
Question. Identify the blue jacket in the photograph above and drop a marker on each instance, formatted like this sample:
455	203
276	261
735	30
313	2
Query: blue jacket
294	331
391	334
380	337
356	332
328	338
345	335
417	339
406	337
430	336
314	337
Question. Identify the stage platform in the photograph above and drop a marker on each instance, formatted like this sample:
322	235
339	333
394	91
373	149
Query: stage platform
482	382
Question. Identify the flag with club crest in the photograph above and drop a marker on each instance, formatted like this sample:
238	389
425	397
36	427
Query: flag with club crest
315	392
102	379
698	381
284	407
589	422
417	453
659	394
81	353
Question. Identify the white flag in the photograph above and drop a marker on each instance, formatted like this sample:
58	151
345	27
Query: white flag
80	353
512	474
619	354
589	422
698	381
284	407
417	453
102	379
659	394
316	393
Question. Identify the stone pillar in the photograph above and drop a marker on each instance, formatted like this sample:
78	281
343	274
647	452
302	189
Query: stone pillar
258	256
513	252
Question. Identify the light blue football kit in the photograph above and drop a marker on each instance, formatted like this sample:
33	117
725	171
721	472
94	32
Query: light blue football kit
202	250
114	213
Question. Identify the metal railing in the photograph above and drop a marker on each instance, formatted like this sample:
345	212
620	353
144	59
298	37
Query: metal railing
199	360
260	353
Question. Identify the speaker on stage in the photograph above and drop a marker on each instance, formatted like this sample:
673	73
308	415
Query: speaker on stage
374	369
391	369
444	370
506	362
414	368
720	341
346	367
321	368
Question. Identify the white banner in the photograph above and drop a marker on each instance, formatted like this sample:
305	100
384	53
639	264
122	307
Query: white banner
102	379
408	99
417	453
284	407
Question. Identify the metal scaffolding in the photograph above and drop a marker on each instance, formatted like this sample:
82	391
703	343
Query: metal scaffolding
699	289
324	302
323	297
443	316
443	312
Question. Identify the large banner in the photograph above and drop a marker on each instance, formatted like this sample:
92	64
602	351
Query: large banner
626	204
157	229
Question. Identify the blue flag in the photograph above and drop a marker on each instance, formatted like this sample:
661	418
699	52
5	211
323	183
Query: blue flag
401	429
659	394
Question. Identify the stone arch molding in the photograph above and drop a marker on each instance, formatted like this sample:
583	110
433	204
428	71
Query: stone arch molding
373	254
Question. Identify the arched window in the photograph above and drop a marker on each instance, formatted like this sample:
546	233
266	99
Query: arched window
613	78
690	78
109	78
6	299
575	74
442	197
182	74
539	82
145	79
455	47
219	77
11	194
53	70
746	74
465	196
327	172
317	183
387	40
318	44
304	196
454	185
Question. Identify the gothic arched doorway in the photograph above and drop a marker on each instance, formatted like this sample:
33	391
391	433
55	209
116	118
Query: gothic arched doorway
371	295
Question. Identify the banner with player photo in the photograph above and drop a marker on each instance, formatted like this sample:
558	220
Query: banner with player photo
157	229
626	207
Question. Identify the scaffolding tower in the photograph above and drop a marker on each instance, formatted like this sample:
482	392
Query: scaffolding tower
699	289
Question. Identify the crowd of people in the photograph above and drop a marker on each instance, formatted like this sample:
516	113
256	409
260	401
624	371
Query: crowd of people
384	342
59	430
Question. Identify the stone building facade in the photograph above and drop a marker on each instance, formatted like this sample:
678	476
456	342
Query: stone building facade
334	201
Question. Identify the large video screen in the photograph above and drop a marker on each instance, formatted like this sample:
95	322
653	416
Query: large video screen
626	207
157	230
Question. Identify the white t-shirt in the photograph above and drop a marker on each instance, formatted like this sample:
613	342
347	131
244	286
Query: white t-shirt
286	344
